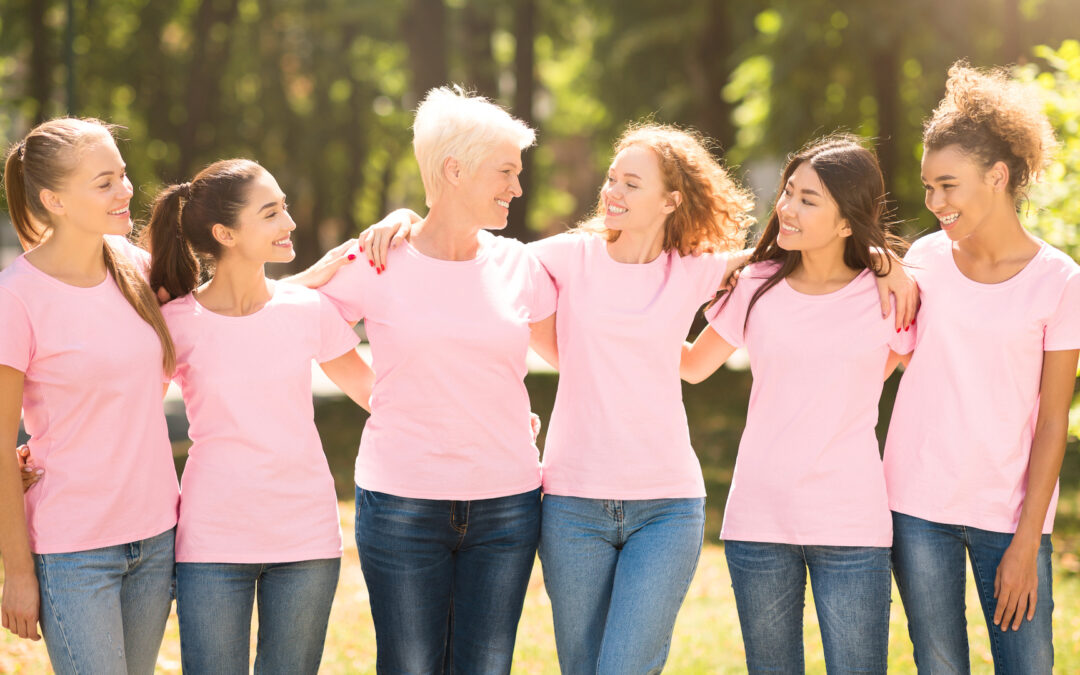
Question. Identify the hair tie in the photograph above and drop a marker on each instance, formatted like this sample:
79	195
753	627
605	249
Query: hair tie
184	189
21	147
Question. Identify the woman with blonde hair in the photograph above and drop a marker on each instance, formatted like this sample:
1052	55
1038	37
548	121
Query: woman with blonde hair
89	554
447	475
978	432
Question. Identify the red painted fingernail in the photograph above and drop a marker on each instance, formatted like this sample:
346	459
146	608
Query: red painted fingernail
361	249
371	262
907	327
378	270
352	256
382	269
897	330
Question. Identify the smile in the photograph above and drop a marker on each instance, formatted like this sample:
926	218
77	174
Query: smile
616	210
119	212
789	229
503	203
949	219
283	242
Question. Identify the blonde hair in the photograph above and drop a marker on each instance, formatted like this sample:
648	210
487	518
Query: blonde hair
992	118
467	127
43	161
714	212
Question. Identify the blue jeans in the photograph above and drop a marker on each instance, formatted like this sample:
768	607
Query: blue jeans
931	574
446	579
617	572
104	610
852	588
214	602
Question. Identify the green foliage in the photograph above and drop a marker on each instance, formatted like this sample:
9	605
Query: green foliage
1054	211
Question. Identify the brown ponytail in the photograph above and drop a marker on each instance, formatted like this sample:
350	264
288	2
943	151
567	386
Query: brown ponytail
173	265
180	233
42	161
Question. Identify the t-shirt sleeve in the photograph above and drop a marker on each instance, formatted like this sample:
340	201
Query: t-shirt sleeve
904	341
555	253
542	294
346	289
17	338
137	256
728	316
1063	328
336	336
710	269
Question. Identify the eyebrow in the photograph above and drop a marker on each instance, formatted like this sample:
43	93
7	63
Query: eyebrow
811	192
103	173
267	205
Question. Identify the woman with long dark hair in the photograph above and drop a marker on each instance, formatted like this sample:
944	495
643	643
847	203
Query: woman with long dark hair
808	491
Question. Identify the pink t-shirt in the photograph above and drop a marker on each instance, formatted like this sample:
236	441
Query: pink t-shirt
92	408
961	431
449	411
256	487
619	430
809	470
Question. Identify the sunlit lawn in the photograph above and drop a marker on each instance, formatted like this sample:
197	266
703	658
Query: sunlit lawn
707	636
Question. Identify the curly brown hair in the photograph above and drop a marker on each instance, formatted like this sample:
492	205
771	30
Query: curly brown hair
715	211
992	118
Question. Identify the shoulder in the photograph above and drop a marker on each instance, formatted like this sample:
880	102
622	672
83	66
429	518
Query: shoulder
1056	262
759	270
182	306
931	245
123	246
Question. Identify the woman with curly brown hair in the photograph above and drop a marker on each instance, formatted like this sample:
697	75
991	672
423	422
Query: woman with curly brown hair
978	433
624	498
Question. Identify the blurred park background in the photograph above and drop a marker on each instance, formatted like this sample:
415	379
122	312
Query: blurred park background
321	92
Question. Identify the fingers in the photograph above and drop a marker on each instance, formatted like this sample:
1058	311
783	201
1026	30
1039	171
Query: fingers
1021	610
1006	607
1032	601
886	306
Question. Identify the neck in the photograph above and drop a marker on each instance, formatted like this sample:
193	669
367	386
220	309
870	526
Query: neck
238	288
999	237
637	247
447	233
72	255
824	267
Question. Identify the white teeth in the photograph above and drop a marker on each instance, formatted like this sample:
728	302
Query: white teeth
502	203
282	242
949	219
119	212
788	228
617	210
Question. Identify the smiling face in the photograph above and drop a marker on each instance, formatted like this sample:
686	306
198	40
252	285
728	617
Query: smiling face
809	217
634	196
490	188
262	228
96	195
959	192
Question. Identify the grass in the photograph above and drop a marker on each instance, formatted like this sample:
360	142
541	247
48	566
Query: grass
707	638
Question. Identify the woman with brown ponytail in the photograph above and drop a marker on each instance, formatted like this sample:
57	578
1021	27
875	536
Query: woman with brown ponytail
258	511
89	553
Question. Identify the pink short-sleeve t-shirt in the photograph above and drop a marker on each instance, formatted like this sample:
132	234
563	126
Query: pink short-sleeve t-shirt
449	409
961	431
619	429
92	408
256	487
809	470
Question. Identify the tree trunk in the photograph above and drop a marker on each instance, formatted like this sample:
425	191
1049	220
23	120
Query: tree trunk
479	24
424	28
525	83
41	60
885	72
718	43
203	94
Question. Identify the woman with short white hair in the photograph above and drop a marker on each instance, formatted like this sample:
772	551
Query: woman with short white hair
447	476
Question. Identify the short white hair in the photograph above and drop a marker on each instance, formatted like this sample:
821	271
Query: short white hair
462	125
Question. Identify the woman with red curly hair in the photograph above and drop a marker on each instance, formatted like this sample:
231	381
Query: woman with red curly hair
978	433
